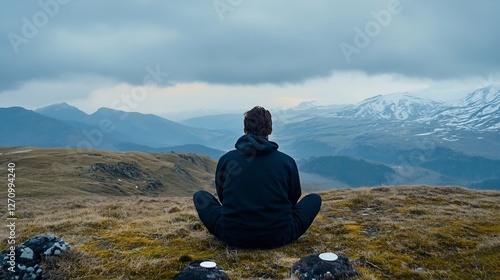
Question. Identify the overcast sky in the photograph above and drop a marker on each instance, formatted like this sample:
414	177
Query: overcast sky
168	56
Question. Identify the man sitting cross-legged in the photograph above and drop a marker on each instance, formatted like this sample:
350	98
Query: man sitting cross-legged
258	188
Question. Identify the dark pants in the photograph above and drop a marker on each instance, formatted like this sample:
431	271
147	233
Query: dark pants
303	214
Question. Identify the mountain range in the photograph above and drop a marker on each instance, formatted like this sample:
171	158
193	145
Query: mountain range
403	120
422	140
62	125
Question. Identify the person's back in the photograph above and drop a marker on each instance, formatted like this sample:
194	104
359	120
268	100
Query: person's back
258	196
258	187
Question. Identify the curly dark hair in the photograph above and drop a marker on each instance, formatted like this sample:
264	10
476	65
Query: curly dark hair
258	121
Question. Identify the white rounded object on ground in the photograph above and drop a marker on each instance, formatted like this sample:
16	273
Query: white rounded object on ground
208	264
328	257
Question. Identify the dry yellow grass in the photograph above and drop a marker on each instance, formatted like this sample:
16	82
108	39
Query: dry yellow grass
389	232
413	232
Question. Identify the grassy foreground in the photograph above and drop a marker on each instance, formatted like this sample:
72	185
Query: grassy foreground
387	232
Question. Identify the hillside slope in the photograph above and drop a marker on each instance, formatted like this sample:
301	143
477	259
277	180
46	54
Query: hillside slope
75	172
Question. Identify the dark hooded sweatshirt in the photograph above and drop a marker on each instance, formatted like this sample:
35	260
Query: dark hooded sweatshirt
257	186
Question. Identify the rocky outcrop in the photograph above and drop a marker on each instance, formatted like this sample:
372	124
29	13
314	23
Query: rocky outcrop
126	171
313	267
47	245
154	185
183	173
195	271
23	262
120	170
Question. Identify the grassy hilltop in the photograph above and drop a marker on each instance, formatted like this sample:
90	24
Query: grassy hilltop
416	232
68	172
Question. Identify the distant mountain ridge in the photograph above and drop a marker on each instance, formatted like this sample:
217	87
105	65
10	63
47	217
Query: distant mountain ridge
391	107
479	111
63	111
406	116
189	148
62	125
21	127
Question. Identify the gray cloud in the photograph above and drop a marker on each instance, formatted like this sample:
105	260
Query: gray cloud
257	42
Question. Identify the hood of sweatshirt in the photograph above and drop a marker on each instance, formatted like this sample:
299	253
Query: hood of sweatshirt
250	144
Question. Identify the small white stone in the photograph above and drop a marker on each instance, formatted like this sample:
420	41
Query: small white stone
330	257
208	264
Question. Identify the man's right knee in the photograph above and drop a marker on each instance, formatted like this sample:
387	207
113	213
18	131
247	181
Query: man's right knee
201	199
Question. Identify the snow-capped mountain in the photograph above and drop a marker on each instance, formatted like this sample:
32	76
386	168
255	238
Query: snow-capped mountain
404	120
479	111
476	111
396	106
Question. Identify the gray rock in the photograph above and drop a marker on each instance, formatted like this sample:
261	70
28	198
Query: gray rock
154	185
47	245
24	263
313	267
195	272
183	173
121	169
